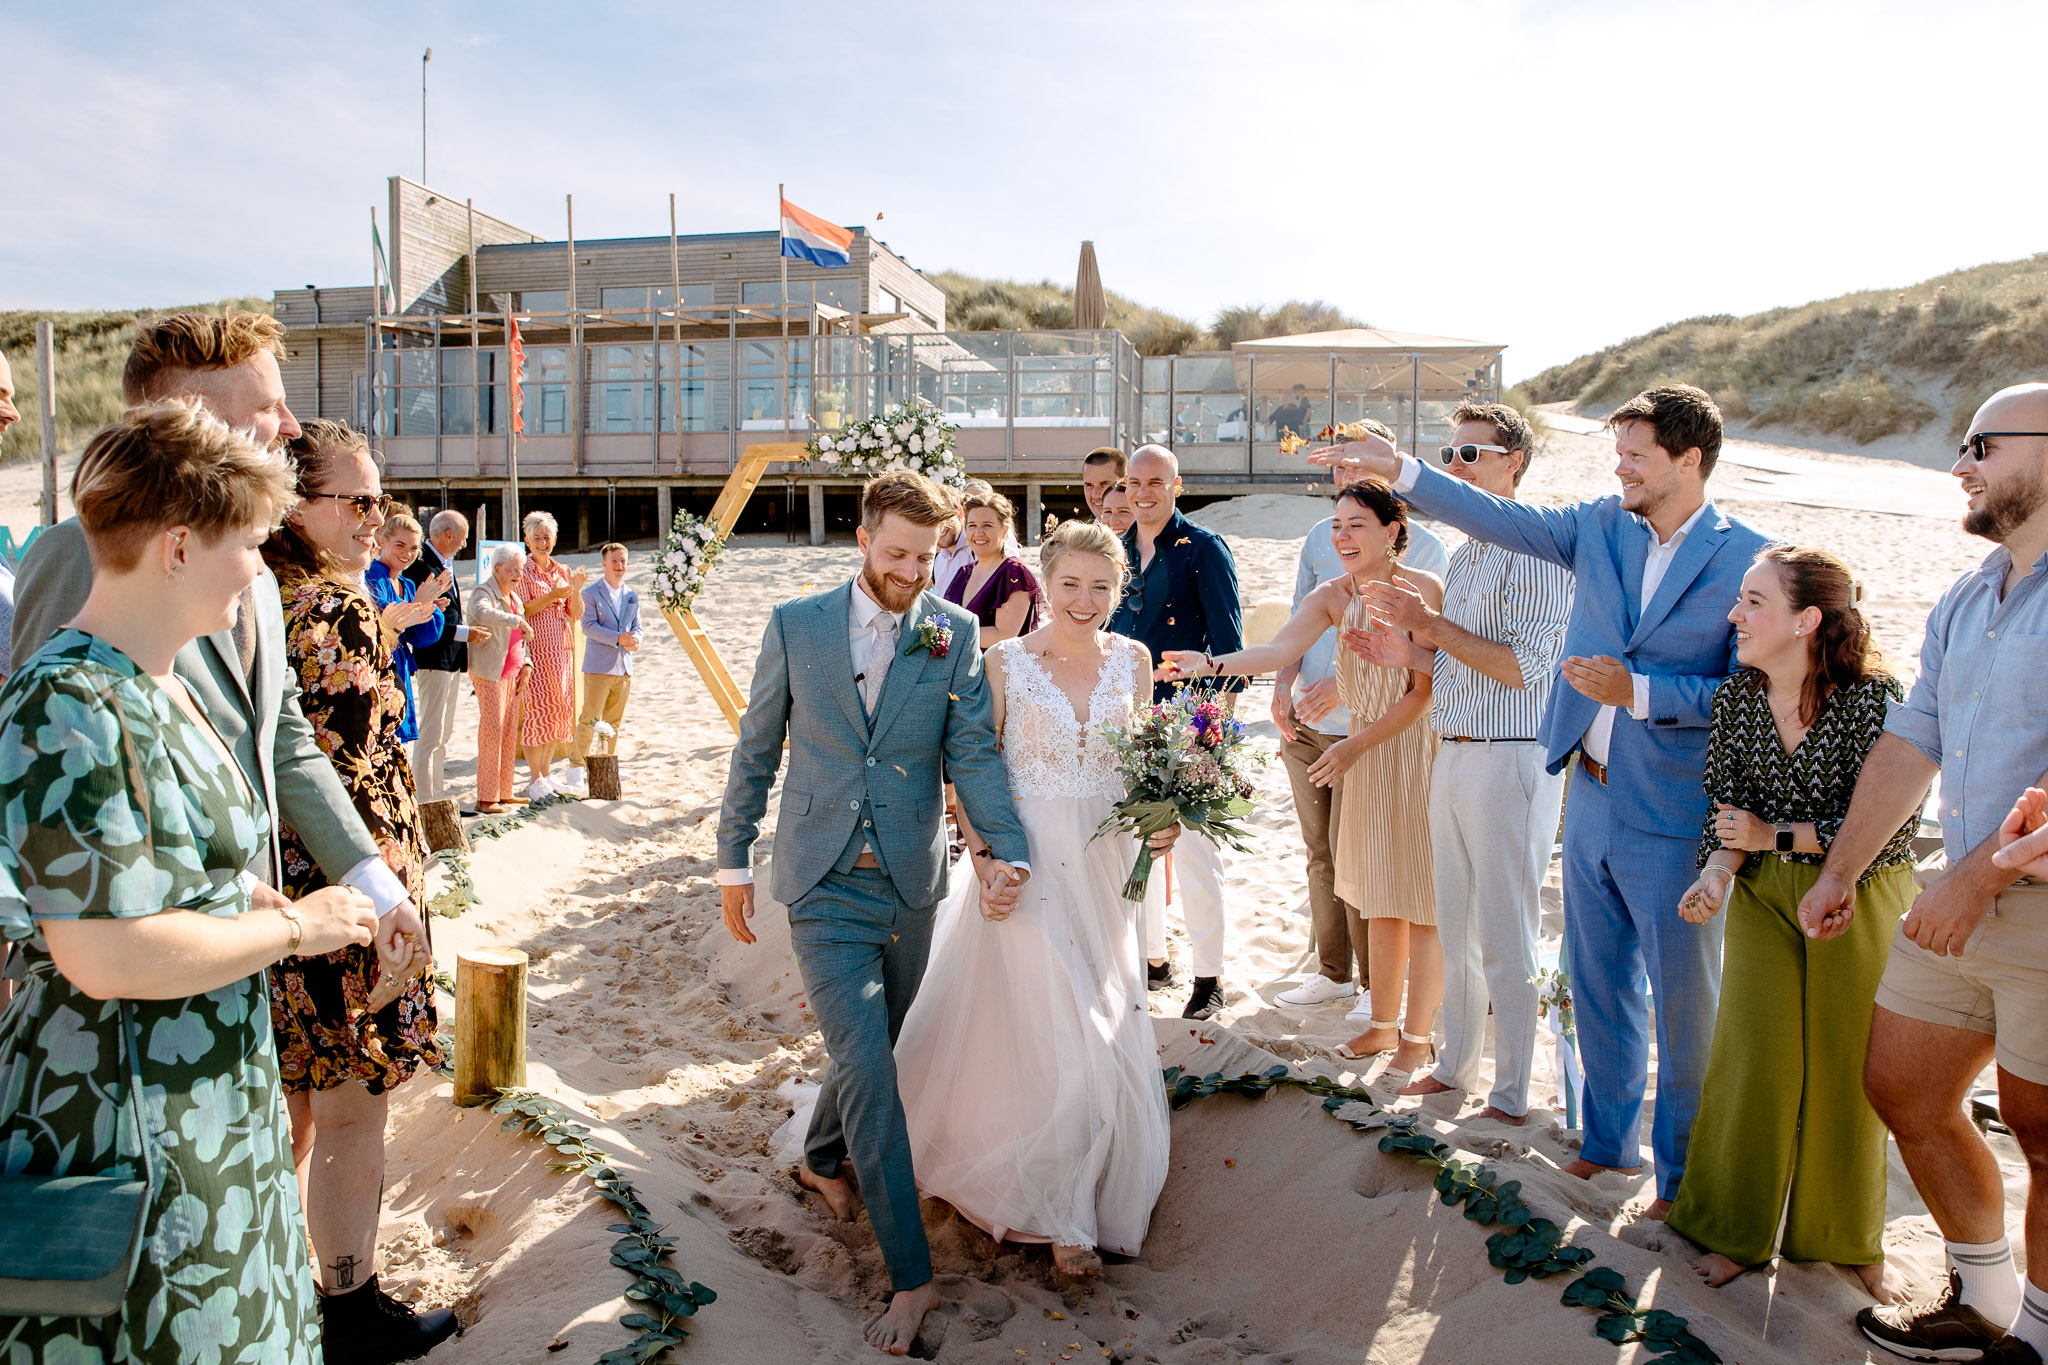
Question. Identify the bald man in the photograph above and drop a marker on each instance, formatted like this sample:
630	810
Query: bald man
1182	595
1967	980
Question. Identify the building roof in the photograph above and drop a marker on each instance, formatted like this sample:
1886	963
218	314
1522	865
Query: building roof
1366	339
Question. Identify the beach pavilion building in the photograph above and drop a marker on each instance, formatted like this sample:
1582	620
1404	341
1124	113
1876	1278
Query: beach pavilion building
651	362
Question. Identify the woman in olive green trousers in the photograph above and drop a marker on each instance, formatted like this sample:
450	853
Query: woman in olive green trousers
1784	1134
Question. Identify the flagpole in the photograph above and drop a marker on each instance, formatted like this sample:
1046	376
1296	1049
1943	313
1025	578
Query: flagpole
782	256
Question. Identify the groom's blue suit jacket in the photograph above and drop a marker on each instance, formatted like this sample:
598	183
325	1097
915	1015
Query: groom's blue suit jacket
933	723
1681	640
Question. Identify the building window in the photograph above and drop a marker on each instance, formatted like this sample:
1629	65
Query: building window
546	390
651	297
882	301
843	294
760	403
542	301
472	401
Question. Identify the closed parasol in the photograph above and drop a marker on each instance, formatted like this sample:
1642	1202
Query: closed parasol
1091	308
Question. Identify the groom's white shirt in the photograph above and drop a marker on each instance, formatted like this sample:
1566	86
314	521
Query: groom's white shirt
860	638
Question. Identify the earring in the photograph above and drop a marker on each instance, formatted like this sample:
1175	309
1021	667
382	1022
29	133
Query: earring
174	577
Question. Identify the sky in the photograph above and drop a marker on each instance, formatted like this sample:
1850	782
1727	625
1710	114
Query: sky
1551	176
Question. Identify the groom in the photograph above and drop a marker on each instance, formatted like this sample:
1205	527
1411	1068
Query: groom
878	687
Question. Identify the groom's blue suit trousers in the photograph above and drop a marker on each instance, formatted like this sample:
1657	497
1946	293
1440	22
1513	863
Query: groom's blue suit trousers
1630	950
862	952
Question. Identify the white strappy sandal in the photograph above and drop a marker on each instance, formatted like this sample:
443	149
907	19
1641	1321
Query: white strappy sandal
1407	1037
1344	1053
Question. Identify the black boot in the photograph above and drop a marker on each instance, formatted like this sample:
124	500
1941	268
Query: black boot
368	1327
1206	1002
1158	976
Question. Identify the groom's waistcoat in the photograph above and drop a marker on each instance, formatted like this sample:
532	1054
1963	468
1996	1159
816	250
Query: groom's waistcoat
856	780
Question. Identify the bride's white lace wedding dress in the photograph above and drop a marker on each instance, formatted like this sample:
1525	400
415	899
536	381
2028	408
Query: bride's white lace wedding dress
1027	1066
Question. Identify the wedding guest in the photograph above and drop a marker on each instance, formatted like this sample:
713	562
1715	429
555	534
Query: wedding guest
1381	840
117	767
1311	717
228	363
1294	416
408	621
1784	1132
1102	469
611	629
1182	595
954	551
553	598
348	1029
1116	510
1966	982
997	587
1637	731
499	672
442	664
1493	807
9	414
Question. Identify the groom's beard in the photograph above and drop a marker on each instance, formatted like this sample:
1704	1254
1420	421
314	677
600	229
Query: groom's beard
892	595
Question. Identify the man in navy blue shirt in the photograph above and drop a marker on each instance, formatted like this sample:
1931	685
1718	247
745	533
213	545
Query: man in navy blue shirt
1182	595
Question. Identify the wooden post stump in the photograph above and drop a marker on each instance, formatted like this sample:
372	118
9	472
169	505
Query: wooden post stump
603	772
490	1023
441	822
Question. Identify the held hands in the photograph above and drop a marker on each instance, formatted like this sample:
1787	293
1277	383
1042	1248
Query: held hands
402	941
1604	679
737	904
1328	770
1704	898
1739	830
2022	841
1000	883
335	917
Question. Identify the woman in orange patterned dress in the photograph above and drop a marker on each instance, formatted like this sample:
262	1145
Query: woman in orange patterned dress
346	1031
553	598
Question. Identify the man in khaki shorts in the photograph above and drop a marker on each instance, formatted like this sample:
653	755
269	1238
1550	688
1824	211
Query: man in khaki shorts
1967	981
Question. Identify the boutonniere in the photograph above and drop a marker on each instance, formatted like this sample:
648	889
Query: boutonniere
1184	540
934	633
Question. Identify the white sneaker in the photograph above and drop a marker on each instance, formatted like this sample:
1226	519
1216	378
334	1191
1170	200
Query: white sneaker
1361	1012
1317	989
575	777
539	789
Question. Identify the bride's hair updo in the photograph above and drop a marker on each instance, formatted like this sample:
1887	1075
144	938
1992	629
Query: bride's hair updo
1083	537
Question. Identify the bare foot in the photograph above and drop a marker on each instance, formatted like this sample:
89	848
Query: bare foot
1079	1262
1427	1085
1717	1269
893	1332
1659	1211
1586	1170
1411	1057
1502	1116
1881	1282
837	1194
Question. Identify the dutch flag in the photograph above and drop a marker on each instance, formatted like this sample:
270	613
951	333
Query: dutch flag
810	238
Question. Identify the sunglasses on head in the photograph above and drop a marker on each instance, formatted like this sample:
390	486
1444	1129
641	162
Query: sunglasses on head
362	502
1974	446
1469	454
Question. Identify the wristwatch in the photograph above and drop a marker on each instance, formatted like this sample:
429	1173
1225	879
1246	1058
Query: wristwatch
1784	840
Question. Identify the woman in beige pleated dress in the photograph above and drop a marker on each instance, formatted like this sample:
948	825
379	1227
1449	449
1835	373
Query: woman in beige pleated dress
1381	846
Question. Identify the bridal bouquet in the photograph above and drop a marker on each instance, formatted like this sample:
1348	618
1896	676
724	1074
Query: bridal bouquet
684	561
1183	762
913	435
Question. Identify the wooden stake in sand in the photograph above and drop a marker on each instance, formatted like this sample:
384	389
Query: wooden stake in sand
490	1023
441	823
604	776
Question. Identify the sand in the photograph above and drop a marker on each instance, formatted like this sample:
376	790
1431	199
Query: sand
1281	1234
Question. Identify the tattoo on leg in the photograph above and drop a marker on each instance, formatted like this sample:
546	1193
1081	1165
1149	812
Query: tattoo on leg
344	1268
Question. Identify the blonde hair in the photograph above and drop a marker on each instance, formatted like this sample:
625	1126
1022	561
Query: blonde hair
399	521
908	494
175	342
1082	537
533	519
172	464
992	501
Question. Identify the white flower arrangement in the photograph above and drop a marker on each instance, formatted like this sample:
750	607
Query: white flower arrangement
685	560
913	435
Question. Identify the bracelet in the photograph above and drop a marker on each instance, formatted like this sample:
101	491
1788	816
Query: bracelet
1716	867
298	925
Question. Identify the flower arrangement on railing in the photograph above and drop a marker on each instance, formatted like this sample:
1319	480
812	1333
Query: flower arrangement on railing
913	435
685	560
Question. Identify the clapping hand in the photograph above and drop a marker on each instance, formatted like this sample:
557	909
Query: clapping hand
1378	645
437	587
1603	678
577	578
2023	839
1399	605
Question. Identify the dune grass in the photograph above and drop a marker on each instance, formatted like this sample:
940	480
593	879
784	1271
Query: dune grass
976	304
91	348
1865	366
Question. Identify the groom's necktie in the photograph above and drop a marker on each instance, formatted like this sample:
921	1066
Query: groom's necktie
881	652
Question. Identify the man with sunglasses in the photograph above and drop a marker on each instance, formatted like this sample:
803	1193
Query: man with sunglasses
1967	980
1493	806
241	677
1647	644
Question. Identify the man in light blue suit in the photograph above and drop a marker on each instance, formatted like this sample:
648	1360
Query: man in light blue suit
1656	570
879	689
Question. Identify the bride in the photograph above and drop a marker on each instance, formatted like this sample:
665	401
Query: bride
1027	1066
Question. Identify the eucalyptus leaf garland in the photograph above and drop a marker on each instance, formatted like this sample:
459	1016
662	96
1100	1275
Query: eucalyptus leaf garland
1525	1248
461	893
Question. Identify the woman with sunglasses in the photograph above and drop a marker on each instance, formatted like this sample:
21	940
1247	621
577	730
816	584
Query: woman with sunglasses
347	1032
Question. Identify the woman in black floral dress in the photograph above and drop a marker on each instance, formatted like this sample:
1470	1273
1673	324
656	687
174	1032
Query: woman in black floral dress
347	1032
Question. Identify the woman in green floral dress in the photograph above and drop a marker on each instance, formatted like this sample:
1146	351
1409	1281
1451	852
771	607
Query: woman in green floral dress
128	829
